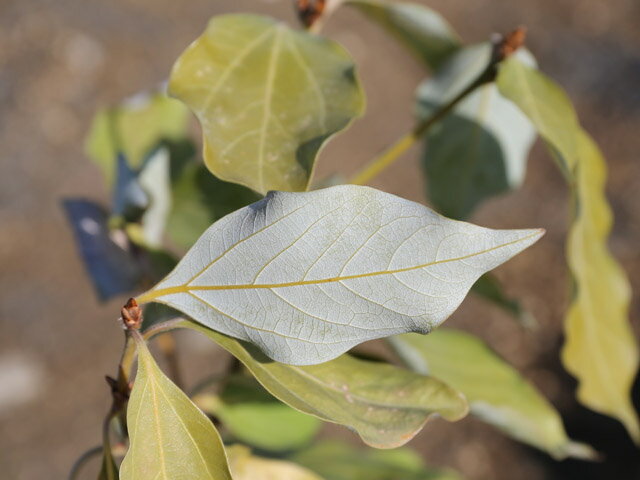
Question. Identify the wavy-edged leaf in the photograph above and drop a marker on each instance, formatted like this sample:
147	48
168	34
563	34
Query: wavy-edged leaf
422	30
340	461
170	437
480	149
134	128
255	417
246	466
307	276
267	98
600	349
496	392
199	199
386	405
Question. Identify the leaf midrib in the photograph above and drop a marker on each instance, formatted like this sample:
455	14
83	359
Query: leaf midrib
154	294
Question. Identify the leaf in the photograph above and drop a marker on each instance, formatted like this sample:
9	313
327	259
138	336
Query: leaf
199	199
267	98
496	391
108	468
340	461
387	406
600	349
253	416
489	288
422	30
306	276
480	149
246	466
155	179
134	128
112	269
170	437
129	199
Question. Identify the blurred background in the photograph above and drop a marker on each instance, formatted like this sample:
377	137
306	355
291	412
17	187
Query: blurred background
60	60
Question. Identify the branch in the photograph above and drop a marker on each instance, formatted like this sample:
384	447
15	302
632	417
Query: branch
502	48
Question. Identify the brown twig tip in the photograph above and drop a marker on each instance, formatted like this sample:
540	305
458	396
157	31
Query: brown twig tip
511	42
131	315
309	11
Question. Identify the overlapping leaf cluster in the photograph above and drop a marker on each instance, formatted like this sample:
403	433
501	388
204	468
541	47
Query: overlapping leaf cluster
289	283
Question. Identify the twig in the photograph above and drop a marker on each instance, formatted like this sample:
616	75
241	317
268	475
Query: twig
502	48
84	458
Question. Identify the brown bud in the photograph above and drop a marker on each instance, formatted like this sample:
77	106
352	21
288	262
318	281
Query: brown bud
512	42
131	314
309	11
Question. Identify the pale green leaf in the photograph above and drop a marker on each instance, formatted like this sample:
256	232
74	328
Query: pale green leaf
246	466
267	98
155	180
255	417
307	276
480	149
496	392
386	405
419	28
341	461
134	128
600	349
170	438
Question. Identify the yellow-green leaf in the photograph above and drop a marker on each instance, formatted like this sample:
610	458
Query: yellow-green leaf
170	438
496	392
600	349
422	30
386	405
267	98
246	466
134	128
255	417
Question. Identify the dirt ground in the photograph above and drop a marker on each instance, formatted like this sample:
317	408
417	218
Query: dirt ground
62	59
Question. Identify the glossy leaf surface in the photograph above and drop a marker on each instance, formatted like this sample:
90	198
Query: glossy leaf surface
496	392
600	349
387	406
254	416
170	438
340	461
306	276
267	98
134	128
480	149
419	28
246	466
